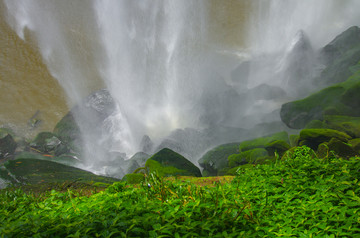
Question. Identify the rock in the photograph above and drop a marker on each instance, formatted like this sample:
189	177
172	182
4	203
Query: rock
247	157
266	92
140	158
34	171
92	113
339	99
340	56
7	143
277	146
216	159
169	163
349	125
48	142
146	145
261	142
314	137
355	143
298	65
341	148
340	45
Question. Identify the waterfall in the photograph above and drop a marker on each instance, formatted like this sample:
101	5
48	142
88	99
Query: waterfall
166	68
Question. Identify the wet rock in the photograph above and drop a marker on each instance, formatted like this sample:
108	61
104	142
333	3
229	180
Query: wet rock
169	163
7	143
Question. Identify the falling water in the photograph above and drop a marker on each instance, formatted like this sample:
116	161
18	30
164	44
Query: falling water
169	65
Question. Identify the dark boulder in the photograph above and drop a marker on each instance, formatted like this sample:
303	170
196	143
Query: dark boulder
215	160
7	143
314	137
169	163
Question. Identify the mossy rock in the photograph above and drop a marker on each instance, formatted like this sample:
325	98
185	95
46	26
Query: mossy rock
278	146
355	143
349	125
339	99
48	142
261	142
35	171
347	40
133	178
216	159
68	132
294	139
342	149
7	144
314	137
336	147
169	163
247	157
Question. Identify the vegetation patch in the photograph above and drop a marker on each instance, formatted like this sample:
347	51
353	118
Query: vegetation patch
299	196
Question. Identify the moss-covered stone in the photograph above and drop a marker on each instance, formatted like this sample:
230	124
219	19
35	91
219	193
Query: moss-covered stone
355	143
216	159
313	137
133	178
339	99
48	142
294	139
234	171
169	163
261	142
247	157
34	171
340	148
278	146
68	132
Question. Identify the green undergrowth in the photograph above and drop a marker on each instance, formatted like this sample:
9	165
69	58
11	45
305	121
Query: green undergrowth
297	196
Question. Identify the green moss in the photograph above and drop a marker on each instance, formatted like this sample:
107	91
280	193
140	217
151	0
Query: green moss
313	137
133	178
34	171
168	158
339	99
261	142
246	157
165	171
294	139
217	159
277	146
68	132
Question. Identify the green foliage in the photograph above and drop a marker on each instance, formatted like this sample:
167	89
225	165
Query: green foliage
298	196
133	178
314	137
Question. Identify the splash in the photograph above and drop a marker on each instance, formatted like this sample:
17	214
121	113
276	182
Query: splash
166	69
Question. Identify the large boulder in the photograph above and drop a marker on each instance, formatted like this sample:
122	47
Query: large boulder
338	47
349	125
314	137
339	99
35	171
7	143
262	142
215	160
247	157
92	113
48	142
169	163
339	56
